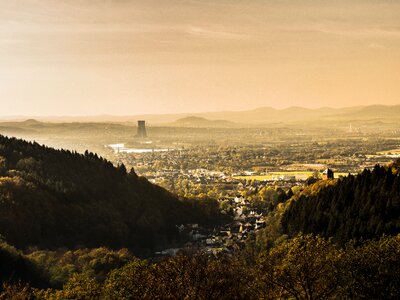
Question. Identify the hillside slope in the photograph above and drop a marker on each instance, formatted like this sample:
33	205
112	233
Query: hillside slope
363	206
51	198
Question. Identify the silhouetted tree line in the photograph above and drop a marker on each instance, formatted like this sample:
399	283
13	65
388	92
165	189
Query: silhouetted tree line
57	198
363	206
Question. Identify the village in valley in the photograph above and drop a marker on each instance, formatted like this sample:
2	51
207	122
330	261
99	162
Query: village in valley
247	171
199	149
249	180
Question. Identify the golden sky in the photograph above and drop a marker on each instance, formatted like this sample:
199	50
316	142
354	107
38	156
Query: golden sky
88	57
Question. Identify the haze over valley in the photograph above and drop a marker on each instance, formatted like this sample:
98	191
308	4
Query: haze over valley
199	149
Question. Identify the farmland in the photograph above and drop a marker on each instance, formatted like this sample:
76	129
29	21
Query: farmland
299	175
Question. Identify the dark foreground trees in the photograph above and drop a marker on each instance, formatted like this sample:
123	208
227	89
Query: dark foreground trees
306	267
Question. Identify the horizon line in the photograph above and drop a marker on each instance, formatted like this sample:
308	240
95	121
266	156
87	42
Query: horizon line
10	117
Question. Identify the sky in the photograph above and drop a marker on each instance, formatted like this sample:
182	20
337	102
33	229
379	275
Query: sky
120	57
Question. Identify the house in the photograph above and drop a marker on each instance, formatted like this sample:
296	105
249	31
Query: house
239	199
260	224
328	174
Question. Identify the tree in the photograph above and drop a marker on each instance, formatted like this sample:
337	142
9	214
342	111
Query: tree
136	280
17	291
371	270
79	286
305	267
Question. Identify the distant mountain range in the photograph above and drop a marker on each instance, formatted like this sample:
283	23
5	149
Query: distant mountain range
256	117
192	121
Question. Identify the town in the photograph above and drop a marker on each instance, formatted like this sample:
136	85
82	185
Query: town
248	180
249	171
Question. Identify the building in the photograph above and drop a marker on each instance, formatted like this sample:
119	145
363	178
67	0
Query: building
328	174
141	130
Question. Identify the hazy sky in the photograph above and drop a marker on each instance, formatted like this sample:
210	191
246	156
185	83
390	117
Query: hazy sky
79	57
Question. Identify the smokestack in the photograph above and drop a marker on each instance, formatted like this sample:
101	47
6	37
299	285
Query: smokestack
141	130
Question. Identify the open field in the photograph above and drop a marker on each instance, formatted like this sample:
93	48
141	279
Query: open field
390	152
274	175
300	175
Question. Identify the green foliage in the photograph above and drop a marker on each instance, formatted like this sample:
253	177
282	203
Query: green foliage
186	276
61	264
79	286
372	270
199	276
57	198
305	267
52	198
133	281
15	267
205	211
17	291
363	206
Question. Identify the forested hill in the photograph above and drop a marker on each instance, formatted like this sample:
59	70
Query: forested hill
51	198
363	206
